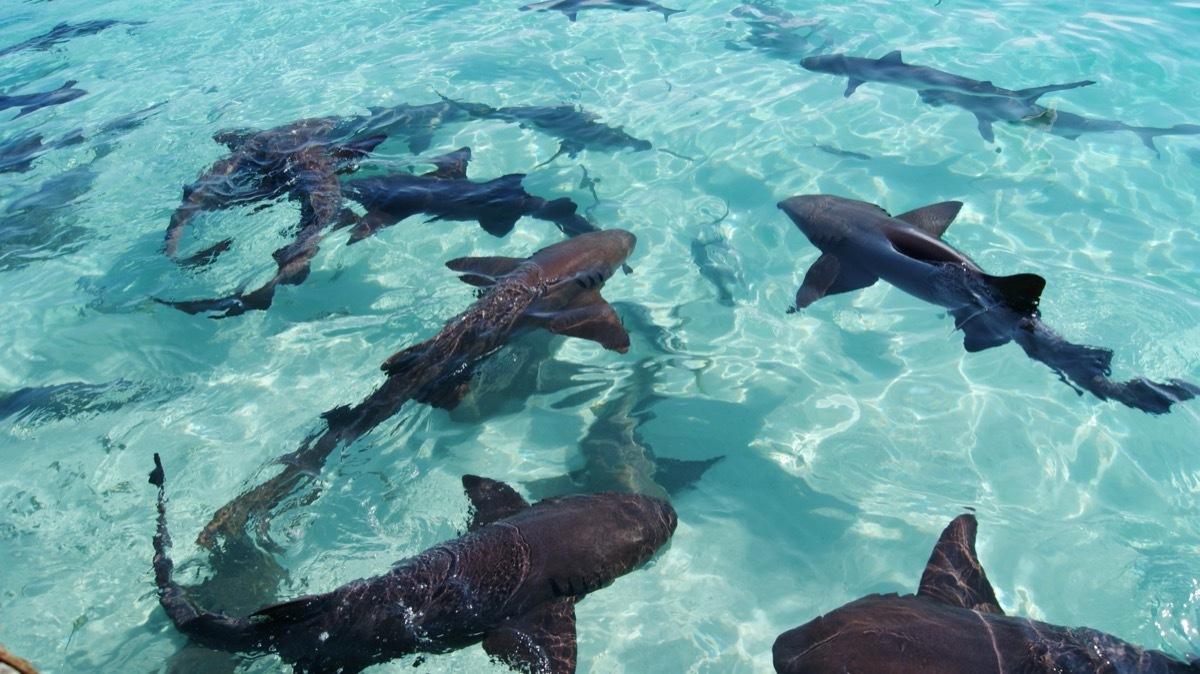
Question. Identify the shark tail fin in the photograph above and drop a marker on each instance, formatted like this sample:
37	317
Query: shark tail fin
1019	292
1032	94
1147	134
211	629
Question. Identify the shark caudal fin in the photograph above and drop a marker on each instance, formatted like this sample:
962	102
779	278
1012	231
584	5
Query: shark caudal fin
211	629
1148	134
954	575
1032	94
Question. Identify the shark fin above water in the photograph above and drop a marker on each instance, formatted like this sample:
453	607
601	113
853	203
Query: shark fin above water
491	500
954	575
540	640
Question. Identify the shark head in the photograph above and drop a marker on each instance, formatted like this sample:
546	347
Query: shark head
833	64
811	214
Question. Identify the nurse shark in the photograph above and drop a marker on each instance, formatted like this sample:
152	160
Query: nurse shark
861	243
511	583
952	625
556	289
891	69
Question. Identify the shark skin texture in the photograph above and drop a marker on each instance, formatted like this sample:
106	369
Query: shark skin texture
556	289
510	582
954	625
861	243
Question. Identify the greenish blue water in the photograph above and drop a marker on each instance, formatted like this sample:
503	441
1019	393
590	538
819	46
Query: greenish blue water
852	433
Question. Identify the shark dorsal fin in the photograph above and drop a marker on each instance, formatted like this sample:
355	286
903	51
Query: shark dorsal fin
292	611
451	166
892	57
483	271
1019	292
934	218
953	575
491	500
541	639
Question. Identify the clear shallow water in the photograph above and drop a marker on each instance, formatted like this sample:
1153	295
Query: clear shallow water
852	433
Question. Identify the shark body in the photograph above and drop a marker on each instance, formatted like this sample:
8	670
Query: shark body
571	8
861	244
511	582
954	624
44	99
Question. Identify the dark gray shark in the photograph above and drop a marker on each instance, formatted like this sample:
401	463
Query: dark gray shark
17	154
446	194
617	458
418	123
576	128
294	159
719	262
63	32
891	69
571	8
861	243
511	582
990	109
954	625
556	288
31	102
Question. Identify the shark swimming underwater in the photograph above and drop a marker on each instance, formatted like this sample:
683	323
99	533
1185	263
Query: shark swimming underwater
65	31
954	625
447	194
511	583
861	243
556	288
891	69
42	99
990	109
571	8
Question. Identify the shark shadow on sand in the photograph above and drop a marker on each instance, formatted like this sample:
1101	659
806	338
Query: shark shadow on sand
511	583
557	288
861	243
955	624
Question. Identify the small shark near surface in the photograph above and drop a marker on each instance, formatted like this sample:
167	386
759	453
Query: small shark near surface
571	8
447	194
989	109
44	99
63	32
616	458
294	159
556	288
954	625
779	33
576	128
861	243
891	69
511	583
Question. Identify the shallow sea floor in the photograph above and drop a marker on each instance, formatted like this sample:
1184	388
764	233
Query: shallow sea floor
852	432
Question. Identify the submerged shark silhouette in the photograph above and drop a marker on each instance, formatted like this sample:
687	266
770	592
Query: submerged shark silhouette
954	625
42	99
571	8
511	582
556	288
861	243
891	69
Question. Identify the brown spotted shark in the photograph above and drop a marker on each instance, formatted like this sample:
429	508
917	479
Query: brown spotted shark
954	625
556	289
510	582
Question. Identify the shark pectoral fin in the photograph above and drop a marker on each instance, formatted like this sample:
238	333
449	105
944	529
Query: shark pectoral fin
483	271
293	611
539	641
1019	292
491	500
977	335
985	128
934	218
420	141
828	276
451	166
1032	94
572	15
498	225
954	575
675	475
852	85
591	317
357	149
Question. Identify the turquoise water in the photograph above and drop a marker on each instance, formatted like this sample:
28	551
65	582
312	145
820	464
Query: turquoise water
852	432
